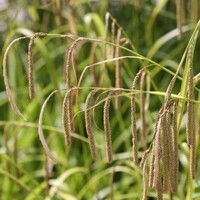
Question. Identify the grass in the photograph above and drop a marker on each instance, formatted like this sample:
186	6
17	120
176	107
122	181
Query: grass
95	74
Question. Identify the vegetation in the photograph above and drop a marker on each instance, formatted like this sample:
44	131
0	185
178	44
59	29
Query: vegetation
100	100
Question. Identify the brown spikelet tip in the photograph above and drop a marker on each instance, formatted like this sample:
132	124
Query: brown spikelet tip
30	63
88	124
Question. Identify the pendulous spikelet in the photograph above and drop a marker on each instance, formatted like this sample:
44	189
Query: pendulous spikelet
151	171
67	68
175	149
88	123
40	129
193	160
67	116
106	122
144	157
105	38
133	120
145	180
30	63
165	153
117	68
157	149
159	187
5	77
68	61
190	124
142	110
113	37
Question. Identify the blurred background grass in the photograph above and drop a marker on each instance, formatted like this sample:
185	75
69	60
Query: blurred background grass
151	27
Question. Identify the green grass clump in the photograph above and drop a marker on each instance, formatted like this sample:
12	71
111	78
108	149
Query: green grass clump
114	98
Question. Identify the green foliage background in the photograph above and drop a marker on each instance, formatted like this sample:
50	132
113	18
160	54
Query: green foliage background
150	26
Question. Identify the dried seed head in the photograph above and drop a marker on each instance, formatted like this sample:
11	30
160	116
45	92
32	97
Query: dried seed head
118	78
5	77
145	180
30	63
159	187
157	149
105	38
40	129
190	124
133	120
175	149
165	154
193	161
142	110
144	157
88	123
113	37
151	171
106	121
68	59
68	116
